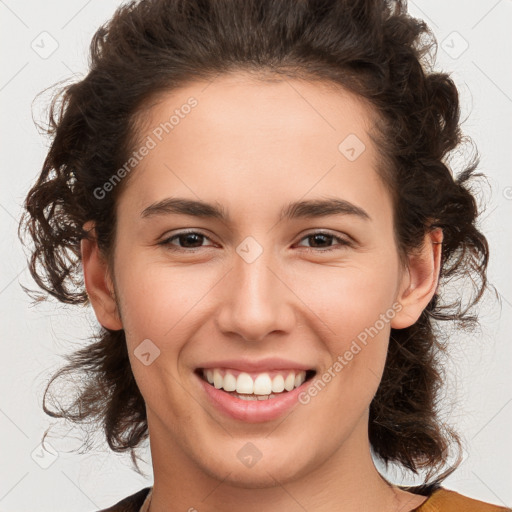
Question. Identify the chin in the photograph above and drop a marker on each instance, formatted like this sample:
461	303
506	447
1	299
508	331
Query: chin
271	471
263	478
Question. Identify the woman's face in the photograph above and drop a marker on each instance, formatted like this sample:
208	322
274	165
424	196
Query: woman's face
256	285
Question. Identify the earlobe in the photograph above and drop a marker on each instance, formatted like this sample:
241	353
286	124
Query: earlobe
97	281
420	281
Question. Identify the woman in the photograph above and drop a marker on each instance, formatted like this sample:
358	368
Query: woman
256	196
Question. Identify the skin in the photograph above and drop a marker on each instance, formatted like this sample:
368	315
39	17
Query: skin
254	147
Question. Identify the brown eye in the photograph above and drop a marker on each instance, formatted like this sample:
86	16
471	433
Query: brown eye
322	242
185	240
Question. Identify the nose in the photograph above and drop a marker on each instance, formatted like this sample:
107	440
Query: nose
256	300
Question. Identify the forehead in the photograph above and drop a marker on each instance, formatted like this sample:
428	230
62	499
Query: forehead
237	137
266	112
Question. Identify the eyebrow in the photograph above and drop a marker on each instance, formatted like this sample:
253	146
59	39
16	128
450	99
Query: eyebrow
295	210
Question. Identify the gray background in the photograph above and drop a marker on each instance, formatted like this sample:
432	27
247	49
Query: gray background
43	43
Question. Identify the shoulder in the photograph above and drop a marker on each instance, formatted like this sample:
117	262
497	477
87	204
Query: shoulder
445	500
131	503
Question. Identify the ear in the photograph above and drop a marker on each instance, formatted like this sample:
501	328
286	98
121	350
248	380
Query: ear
98	283
420	280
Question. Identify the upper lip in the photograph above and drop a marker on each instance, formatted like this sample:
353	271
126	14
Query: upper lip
251	365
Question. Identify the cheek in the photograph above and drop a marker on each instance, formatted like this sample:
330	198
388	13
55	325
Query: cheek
158	300
349	299
353	309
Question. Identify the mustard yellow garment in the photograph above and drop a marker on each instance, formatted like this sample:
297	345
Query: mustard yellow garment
444	500
440	500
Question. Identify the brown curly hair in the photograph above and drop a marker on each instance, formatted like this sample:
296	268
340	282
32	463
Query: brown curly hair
372	48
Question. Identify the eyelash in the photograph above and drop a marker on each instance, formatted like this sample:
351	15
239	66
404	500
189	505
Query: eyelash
341	241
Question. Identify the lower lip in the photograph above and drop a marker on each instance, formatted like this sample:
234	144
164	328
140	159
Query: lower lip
252	411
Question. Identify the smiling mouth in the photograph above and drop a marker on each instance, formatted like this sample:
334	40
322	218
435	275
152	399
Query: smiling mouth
255	386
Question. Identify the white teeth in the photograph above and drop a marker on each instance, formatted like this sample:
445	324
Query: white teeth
255	397
217	379
289	382
244	384
278	384
229	382
262	385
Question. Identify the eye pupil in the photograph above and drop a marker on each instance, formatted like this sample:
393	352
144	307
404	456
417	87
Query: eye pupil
320	238
194	239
